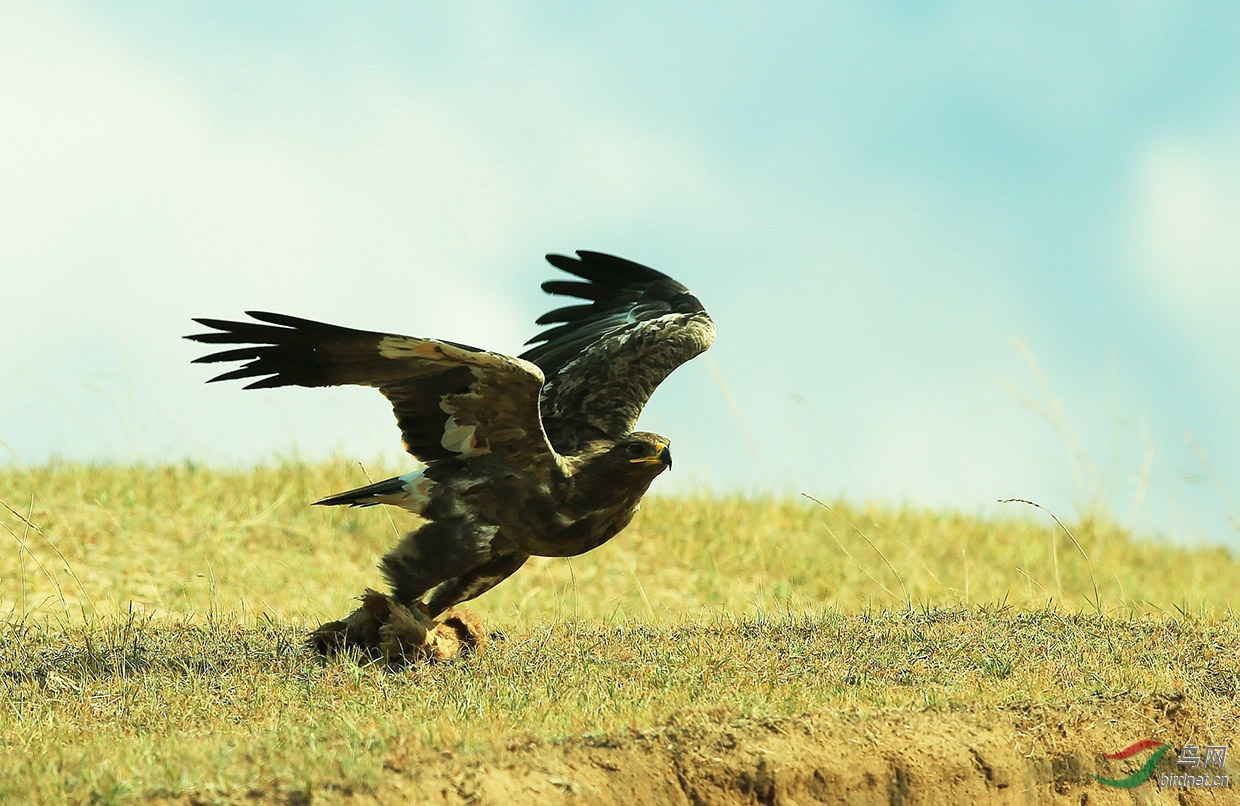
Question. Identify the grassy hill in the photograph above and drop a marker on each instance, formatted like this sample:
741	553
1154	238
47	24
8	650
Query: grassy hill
731	650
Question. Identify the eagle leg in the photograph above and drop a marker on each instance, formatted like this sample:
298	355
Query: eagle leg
437	552
473	583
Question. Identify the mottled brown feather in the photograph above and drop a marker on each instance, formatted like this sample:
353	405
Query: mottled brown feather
604	360
428	382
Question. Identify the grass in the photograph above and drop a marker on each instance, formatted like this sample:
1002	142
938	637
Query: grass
152	643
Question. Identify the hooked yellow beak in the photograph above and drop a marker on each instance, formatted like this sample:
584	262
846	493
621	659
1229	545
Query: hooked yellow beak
662	457
665	456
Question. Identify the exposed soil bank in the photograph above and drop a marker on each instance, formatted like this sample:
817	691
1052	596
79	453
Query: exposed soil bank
1036	755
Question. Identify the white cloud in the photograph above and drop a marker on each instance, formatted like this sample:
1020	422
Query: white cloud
134	200
1187	232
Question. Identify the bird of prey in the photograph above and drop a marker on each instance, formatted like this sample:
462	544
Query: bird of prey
532	455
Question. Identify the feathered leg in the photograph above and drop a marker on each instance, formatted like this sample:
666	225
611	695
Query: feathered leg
474	583
439	551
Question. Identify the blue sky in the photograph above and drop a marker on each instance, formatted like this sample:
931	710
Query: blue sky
956	252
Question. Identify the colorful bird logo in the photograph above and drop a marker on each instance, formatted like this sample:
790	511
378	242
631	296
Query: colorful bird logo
1140	776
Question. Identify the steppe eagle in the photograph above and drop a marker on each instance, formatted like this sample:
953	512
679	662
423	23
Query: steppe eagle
533	455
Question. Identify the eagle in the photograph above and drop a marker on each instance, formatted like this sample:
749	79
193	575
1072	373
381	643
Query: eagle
533	455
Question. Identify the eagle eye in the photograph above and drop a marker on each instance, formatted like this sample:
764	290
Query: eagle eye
637	449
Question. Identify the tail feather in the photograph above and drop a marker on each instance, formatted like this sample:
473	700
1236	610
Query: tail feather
390	491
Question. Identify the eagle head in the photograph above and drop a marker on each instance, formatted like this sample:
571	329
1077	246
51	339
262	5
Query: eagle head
641	451
611	478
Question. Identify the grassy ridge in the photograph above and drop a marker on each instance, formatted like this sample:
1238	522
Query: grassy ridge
181	540
152	643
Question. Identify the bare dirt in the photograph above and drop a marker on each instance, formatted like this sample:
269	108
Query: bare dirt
1035	755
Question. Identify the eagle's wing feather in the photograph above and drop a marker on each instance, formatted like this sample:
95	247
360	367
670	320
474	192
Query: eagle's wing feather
450	400
604	359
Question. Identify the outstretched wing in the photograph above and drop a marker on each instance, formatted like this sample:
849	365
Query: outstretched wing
604	359
450	400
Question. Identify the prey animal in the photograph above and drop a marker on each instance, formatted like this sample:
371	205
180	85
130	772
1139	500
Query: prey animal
523	456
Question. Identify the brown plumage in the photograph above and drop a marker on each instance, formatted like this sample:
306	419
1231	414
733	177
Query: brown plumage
524	456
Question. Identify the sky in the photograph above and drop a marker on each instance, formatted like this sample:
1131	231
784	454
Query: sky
956	252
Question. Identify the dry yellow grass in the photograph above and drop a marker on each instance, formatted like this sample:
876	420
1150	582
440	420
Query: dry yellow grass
152	645
183	540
